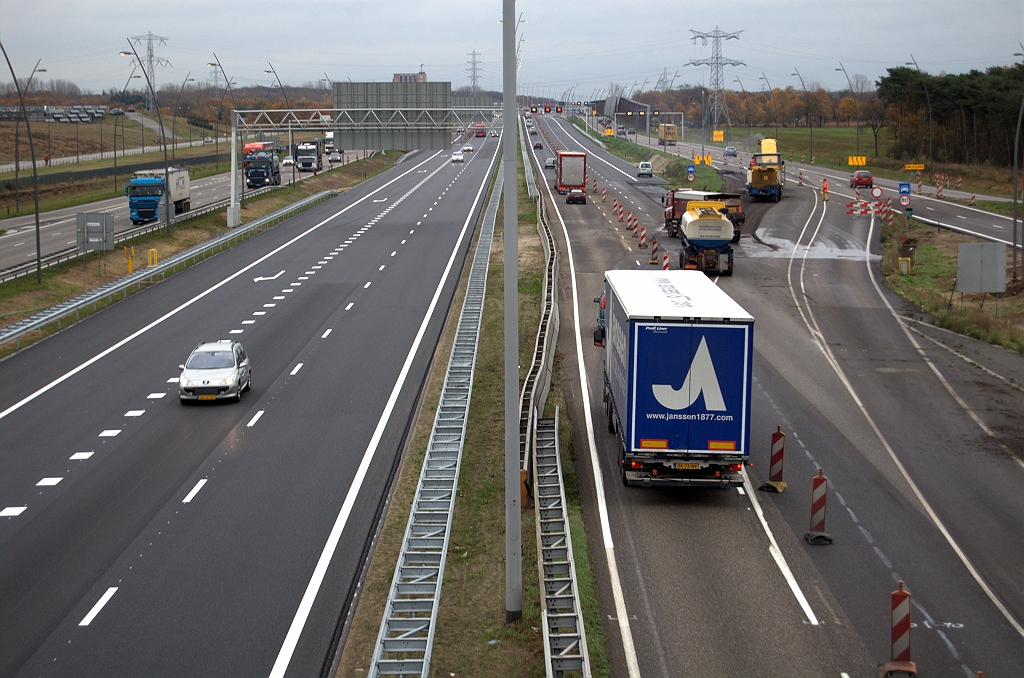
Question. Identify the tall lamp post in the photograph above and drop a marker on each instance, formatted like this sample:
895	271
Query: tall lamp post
174	119
163	138
124	91
32	150
234	208
810	117
928	99
1016	149
17	126
855	102
746	107
775	110
289	106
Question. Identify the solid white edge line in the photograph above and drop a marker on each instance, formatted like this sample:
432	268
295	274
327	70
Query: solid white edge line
291	639
596	156
602	507
776	553
104	599
209	290
296	370
255	418
195	490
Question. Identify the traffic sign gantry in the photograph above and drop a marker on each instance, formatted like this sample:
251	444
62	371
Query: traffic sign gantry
904	188
905	200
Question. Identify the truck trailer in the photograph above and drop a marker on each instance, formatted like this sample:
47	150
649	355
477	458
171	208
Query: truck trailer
766	176
678	361
262	169
145	191
676	201
668	134
706	233
570	171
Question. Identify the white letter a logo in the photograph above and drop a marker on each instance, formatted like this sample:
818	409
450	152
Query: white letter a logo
700	379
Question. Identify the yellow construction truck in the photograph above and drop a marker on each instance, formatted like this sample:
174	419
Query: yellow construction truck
668	134
766	176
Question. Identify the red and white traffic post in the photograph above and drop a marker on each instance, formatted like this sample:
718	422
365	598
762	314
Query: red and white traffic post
643	237
615	204
664	261
800	179
900	665
819	498
778	457
654	252
973	196
604	194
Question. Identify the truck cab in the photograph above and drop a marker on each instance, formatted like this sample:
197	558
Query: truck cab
145	191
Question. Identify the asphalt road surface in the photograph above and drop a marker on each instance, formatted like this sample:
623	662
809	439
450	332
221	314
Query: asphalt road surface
922	450
141	537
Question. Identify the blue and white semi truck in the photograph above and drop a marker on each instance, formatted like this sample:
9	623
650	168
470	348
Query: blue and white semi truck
145	191
677	374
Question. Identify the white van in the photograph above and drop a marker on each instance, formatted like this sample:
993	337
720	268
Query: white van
644	169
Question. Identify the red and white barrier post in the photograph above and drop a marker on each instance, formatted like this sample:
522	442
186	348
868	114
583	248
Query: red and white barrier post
800	179
778	456
856	191
812	159
959	181
802	157
604	194
654	252
643	237
938	189
615	204
636	228
621	218
664	261
973	196
900	665
819	498
919	183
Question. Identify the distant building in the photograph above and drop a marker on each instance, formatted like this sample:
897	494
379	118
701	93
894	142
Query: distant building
410	77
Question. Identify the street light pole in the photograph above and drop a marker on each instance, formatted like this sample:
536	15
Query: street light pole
775	110
32	151
928	99
122	107
855	101
1016	150
746	107
235	207
174	120
810	117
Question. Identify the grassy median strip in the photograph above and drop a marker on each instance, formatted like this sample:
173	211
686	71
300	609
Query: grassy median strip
930	284
22	297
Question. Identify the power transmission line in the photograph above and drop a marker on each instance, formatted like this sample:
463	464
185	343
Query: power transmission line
716	108
151	62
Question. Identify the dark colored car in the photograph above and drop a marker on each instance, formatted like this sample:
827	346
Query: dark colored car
731	150
576	196
603	300
862	179
537	144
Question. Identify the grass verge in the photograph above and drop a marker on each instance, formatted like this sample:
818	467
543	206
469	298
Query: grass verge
930	285
21	297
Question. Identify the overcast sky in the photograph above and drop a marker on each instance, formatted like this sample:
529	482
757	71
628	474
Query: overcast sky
586	43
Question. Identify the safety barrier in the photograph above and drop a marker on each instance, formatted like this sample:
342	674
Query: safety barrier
56	314
565	640
406	637
900	664
819	500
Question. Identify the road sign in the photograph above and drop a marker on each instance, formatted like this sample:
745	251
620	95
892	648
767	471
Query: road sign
876	192
689	176
698	159
905	200
912	167
904	188
690	169
708	159
857	160
718	135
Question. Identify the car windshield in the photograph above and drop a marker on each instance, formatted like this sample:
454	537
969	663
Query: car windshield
146	190
210	360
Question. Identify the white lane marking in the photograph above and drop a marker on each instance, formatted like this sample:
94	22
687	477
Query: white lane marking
324	335
960	216
172	380
269	305
12	511
255	418
67	375
1019	462
350	305
366	285
303	277
80	456
296	370
273	277
929	208
316	268
296	284
381	267
104	599
155	396
277	298
403	242
602	507
248	322
134	413
394	253
109	433
236	331
776	552
195	490
631	178
320	571
48	482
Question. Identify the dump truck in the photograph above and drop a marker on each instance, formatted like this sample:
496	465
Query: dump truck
706	233
678	360
675	203
668	134
766	176
570	171
145	192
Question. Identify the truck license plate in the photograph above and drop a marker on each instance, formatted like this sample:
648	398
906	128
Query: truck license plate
687	466
207	397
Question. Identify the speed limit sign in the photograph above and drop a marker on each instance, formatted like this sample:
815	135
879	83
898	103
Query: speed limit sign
876	192
905	200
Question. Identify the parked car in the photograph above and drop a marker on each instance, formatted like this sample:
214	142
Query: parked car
645	169
862	179
215	370
576	196
288	160
537	144
731	150
549	163
457	156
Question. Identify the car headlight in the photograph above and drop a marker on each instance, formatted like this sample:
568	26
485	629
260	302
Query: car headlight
185	382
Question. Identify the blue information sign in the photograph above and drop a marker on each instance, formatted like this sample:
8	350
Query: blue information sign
690	169
904	189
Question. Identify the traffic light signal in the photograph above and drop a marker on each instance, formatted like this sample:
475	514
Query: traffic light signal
558	109
547	109
657	112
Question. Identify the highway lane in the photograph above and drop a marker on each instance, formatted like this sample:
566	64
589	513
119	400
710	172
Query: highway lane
703	595
882	527
340	342
57	227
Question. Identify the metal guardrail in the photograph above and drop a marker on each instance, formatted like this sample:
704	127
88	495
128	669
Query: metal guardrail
72	253
406	637
565	640
57	314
